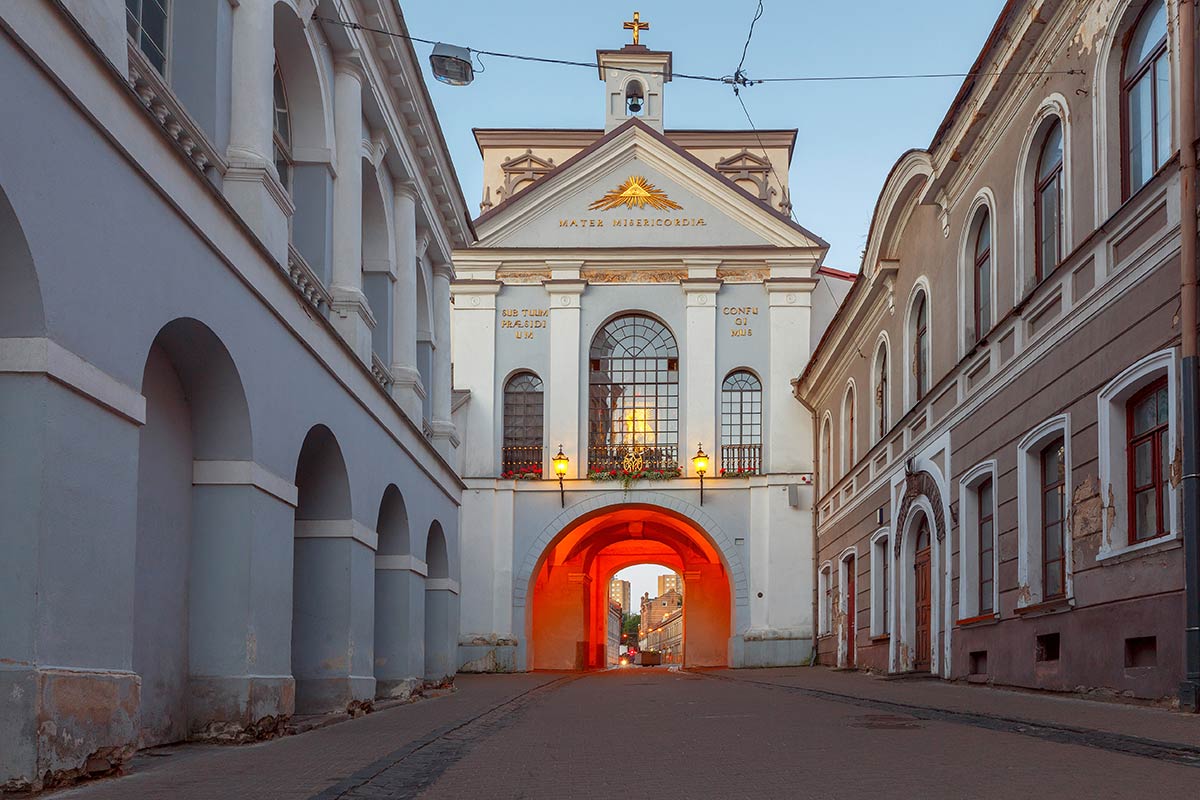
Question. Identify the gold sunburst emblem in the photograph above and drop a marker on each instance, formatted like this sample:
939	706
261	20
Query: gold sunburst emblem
636	192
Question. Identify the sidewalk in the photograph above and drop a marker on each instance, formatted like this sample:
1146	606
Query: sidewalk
304	765
1036	708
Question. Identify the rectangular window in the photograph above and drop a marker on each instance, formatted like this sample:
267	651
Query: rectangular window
1053	499
986	548
1149	466
146	22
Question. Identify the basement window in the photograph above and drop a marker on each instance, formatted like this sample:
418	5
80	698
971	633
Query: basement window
1141	651
1047	647
979	662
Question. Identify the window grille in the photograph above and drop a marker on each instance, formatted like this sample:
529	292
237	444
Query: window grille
523	452
741	423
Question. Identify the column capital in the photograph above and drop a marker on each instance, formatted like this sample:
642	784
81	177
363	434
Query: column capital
424	237
405	189
351	64
443	269
702	267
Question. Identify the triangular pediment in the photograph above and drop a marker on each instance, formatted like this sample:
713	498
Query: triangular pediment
634	188
744	161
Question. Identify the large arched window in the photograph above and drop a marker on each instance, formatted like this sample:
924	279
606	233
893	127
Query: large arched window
1145	99
741	424
1048	203
826	466
146	23
981	274
633	396
522	455
918	323
882	396
282	122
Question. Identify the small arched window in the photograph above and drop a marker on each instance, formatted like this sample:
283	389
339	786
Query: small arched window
1047	203
523	453
146	23
1145	99
981	275
849	430
919	322
741	424
882	398
282	133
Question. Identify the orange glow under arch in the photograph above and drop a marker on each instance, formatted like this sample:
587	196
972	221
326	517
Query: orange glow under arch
567	618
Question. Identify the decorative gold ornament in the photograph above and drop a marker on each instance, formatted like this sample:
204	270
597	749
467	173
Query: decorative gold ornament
637	26
636	192
632	462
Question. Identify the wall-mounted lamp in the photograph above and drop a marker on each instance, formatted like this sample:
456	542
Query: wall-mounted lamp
561	462
700	465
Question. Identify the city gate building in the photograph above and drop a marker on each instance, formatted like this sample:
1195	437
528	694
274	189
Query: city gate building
636	294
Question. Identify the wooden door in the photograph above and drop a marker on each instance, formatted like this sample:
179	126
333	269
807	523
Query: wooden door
851	622
922	645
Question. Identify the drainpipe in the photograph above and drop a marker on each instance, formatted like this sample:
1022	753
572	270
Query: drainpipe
816	487
1189	693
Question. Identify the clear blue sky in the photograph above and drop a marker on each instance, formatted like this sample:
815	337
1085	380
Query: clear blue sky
850	134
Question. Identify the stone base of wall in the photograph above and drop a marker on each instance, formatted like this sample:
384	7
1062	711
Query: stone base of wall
240	708
58	726
398	689
487	657
340	693
765	649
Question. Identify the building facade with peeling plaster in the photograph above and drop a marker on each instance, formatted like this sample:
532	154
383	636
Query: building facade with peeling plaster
226	443
998	399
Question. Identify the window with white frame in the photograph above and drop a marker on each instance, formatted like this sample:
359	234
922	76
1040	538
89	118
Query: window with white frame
918	338
1048	203
880	588
1138	428
979	257
826	454
849	430
977	548
1043	494
825	593
882	396
146	24
282	131
1145	99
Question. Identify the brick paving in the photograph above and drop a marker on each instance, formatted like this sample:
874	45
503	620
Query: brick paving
795	733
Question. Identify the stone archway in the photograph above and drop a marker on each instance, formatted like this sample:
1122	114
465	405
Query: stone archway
921	501
561	591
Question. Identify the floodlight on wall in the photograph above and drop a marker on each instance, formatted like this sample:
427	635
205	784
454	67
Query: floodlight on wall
452	64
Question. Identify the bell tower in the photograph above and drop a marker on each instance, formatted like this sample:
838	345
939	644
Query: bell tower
633	80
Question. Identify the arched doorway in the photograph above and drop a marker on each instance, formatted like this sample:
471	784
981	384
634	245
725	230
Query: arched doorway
568	616
441	613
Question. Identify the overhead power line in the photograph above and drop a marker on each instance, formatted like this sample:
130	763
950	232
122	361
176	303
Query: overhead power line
737	79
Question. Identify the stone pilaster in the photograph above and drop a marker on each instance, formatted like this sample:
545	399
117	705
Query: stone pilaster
700	371
406	389
562	401
251	183
474	356
351	313
444	435
789	321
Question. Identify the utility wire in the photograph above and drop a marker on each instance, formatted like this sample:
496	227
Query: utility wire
735	80
746	47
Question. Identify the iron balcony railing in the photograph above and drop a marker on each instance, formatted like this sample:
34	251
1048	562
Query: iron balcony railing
741	458
521	461
602	457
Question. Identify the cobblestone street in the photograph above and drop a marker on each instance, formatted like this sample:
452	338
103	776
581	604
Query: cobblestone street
754	734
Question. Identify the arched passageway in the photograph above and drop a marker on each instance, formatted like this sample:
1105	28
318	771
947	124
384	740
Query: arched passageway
569	613
399	603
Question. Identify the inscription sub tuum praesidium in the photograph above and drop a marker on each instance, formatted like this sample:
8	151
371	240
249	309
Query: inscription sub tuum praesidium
740	317
524	322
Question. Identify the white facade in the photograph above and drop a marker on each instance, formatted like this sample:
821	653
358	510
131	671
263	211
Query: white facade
225	439
733	280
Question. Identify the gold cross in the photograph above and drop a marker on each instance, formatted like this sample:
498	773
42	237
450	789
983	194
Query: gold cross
637	26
